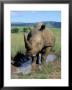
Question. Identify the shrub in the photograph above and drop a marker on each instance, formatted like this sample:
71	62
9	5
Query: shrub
14	30
25	29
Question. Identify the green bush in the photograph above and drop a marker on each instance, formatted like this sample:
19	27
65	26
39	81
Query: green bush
14	30
25	29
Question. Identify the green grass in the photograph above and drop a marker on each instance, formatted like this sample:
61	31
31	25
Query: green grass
52	70
17	43
57	47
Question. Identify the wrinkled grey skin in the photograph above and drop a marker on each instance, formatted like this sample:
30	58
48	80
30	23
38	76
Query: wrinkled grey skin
39	40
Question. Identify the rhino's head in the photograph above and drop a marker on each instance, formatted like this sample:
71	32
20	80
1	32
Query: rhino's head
34	44
34	41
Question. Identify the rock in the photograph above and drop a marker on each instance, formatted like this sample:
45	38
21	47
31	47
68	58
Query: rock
25	68
21	63
51	57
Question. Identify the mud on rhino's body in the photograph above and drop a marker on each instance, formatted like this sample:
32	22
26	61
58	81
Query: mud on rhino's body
39	40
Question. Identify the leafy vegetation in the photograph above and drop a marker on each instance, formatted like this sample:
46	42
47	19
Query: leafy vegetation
14	30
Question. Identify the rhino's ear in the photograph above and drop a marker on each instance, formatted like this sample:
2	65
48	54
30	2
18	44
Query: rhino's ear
42	27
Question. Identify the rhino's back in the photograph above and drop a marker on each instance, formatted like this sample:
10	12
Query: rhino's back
48	37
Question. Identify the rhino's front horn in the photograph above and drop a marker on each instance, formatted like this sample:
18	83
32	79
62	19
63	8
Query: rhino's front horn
27	44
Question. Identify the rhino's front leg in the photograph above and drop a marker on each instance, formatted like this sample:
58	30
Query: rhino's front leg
33	63
39	61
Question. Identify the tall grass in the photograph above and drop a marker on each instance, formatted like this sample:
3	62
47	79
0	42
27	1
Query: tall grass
57	33
17	43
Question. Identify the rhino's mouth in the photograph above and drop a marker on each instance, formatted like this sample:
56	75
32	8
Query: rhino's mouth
30	53
34	55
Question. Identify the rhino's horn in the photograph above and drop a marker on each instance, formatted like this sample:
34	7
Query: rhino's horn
27	44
